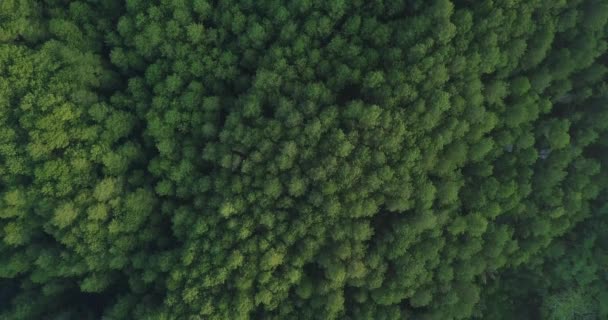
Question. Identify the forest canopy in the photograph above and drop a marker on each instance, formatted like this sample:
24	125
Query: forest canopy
298	159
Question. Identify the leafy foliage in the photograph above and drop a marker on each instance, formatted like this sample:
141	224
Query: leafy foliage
186	159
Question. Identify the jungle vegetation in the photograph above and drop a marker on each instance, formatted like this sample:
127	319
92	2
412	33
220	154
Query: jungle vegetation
300	159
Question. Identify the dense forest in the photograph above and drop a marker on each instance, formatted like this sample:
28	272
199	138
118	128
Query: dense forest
300	159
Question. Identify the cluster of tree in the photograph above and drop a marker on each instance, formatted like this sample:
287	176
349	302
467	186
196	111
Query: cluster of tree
240	159
568	282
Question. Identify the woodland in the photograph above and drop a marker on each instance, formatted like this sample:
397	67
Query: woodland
302	159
